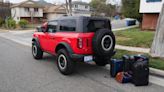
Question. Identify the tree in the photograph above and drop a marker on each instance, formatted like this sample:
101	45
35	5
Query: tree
157	49
100	6
69	7
130	9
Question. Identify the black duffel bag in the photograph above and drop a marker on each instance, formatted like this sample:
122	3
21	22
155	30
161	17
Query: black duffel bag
140	70
138	65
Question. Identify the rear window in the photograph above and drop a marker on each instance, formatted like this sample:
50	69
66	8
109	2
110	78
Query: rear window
95	25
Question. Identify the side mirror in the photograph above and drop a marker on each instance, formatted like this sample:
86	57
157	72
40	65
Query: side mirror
44	27
39	29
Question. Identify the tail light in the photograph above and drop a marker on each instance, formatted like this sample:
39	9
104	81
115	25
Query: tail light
80	43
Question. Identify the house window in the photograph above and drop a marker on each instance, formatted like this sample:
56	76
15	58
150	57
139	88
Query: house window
26	9
36	9
153	0
76	6
86	7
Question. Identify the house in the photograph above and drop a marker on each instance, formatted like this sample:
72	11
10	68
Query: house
28	10
55	11
114	2
150	10
4	9
80	8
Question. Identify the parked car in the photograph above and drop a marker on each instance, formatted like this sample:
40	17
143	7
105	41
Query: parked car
73	39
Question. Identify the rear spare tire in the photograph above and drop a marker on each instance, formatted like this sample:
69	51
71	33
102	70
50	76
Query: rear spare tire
103	42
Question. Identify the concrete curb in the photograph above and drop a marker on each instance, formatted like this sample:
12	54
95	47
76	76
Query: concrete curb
4	30
136	49
25	30
125	28
157	72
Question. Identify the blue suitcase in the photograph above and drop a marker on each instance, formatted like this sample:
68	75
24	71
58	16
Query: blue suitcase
116	66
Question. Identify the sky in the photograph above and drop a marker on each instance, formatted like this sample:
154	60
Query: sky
51	1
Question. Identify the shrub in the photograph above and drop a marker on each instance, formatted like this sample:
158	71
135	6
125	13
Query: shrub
23	23
130	9
1	21
11	23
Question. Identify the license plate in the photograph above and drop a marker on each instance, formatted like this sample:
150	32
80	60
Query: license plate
88	58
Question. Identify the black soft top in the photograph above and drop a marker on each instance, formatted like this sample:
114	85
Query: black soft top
80	17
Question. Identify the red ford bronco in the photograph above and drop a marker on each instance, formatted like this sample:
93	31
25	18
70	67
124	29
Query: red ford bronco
73	39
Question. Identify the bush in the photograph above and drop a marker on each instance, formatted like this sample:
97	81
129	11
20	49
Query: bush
1	21
23	23
11	23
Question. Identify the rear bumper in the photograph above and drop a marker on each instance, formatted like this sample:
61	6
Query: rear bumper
77	57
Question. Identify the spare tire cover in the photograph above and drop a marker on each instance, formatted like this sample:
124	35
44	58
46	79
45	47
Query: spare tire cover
103	42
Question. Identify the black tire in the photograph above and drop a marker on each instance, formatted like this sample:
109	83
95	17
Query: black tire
103	42
36	51
101	61
64	63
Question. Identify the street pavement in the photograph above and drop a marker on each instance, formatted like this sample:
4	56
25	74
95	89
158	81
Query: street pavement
19	72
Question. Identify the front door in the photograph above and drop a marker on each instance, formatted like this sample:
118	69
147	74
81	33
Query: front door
50	36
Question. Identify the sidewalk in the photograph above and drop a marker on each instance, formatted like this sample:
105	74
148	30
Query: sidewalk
125	28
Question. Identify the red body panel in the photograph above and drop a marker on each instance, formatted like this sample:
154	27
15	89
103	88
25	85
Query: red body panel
49	41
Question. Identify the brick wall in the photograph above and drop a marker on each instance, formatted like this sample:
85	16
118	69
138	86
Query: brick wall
150	21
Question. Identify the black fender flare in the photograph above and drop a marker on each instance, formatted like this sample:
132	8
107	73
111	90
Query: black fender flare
64	45
37	41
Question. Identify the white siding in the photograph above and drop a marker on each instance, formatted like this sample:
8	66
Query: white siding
80	14
81	7
52	16
81	10
150	7
24	13
114	2
15	13
18	12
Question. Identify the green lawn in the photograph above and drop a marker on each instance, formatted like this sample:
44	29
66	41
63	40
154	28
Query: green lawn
134	37
154	62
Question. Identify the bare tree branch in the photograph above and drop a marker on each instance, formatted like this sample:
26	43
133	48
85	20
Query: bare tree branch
67	10
69	7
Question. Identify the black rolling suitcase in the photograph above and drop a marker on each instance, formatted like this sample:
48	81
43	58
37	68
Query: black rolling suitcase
140	71
128	60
